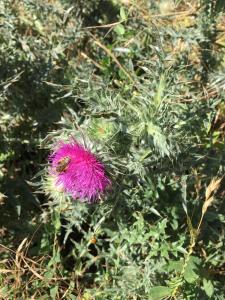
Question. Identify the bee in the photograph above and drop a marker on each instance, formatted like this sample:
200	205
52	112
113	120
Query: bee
93	240
62	164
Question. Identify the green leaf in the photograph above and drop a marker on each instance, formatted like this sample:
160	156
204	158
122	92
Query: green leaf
56	221
122	14
49	274
181	250
39	27
190	274
159	292
160	91
208	287
119	29
4	291
159	139
175	265
155	211
53	292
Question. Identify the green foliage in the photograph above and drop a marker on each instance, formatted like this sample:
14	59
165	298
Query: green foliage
141	84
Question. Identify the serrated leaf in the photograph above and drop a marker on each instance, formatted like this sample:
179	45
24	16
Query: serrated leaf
159	292
159	139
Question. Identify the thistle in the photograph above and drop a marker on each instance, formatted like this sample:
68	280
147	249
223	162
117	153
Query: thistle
78	172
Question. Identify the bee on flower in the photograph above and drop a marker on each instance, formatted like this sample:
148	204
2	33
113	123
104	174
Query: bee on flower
78	171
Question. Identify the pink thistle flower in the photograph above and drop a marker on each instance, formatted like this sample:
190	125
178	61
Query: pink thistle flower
78	171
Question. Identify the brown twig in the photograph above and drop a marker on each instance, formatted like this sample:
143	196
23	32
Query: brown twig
109	53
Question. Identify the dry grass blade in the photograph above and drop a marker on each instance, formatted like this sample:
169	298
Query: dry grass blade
207	204
104	25
5	271
209	197
19	253
97	42
32	270
213	186
21	246
92	60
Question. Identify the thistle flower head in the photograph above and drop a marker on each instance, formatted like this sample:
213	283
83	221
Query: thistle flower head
78	171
